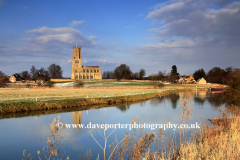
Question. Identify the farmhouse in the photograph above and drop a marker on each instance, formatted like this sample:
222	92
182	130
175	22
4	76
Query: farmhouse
186	79
83	72
201	81
15	77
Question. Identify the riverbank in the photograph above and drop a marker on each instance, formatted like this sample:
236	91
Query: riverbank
113	97
93	93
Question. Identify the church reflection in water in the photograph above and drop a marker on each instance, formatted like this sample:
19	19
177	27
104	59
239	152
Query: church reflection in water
77	117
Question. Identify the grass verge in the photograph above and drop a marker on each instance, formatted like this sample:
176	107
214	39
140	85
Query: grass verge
12	107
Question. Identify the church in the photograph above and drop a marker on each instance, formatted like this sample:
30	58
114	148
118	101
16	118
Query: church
83	72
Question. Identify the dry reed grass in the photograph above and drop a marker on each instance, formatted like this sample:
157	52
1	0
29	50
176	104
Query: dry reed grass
220	141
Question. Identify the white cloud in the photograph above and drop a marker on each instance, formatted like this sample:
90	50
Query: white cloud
69	61
92	38
59	36
76	23
194	19
105	61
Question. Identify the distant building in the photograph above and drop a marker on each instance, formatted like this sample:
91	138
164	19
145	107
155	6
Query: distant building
15	77
83	72
186	79
201	81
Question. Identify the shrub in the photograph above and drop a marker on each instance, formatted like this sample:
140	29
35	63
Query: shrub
28	85
233	81
160	85
78	84
3	81
38	84
49	84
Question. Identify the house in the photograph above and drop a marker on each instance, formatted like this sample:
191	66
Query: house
186	79
15	77
201	81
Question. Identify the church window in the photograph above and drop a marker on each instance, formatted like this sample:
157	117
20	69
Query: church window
76	61
76	77
97	70
75	71
94	71
91	77
80	76
87	76
87	71
91	70
84	70
84	77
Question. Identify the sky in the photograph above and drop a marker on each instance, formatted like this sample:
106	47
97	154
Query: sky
153	35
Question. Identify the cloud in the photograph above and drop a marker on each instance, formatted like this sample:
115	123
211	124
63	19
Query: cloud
58	36
198	33
191	20
76	23
105	61
92	38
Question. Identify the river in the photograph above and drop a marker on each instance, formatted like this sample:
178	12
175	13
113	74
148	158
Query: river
30	132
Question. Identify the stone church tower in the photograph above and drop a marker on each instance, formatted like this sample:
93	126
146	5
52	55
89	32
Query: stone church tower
83	72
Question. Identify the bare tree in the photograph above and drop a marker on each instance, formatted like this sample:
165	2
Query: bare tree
55	71
122	72
107	74
1	74
42	74
3	81
142	73
136	75
33	72
25	75
161	75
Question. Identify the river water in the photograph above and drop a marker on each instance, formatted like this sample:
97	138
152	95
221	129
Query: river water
30	132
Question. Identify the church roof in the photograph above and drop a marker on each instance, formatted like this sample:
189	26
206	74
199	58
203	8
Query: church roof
91	66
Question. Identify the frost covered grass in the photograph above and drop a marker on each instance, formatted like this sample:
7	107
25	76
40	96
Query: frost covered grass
129	84
106	83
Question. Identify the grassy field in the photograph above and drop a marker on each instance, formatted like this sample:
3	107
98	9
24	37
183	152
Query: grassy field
91	89
43	94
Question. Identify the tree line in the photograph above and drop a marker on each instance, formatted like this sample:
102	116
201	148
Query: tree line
53	71
214	75
123	72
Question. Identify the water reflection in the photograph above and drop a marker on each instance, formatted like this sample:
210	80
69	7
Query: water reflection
199	97
32	132
123	108
77	117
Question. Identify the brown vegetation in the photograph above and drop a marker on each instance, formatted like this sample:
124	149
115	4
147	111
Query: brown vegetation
211	142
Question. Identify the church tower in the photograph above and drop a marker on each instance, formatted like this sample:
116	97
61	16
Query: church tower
76	62
83	72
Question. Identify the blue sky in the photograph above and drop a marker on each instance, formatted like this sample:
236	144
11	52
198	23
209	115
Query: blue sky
153	35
